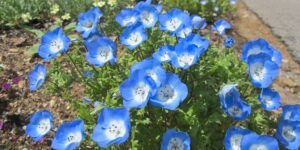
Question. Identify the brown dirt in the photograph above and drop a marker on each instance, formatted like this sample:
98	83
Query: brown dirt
249	26
17	104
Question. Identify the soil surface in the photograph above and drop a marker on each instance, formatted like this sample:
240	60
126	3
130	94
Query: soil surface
17	103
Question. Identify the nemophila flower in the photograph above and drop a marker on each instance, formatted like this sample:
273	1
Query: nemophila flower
171	93
92	37
233	138
113	127
291	112
37	77
152	68
88	21
288	134
101	51
137	90
228	92
164	53
69	135
201	42
221	26
232	103
173	20
232	2
128	17
269	99
133	36
173	139
52	43
185	30
203	2
40	124
198	22
229	42
216	8
262	70
258	46
148	14
185	55
254	141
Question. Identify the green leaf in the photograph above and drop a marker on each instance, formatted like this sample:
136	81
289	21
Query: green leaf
36	32
70	27
33	49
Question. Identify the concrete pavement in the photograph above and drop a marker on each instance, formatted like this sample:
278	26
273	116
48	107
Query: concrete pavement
283	16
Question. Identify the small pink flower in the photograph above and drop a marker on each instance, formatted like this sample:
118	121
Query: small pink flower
1	124
16	80
41	140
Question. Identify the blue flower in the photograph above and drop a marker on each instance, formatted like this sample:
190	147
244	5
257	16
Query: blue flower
221	26
164	53
148	14
127	17
232	2
69	135
173	20
40	124
137	90
269	99
232	103
185	30
203	2
173	139
171	93
216	8
100	51
288	133
88	21
291	112
229	42
253	141
88	74
258	46
152	68
37	77
201	42
262	70
52	43
113	127
233	138
198	22
133	36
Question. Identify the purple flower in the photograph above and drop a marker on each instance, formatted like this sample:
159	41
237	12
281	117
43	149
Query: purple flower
5	86
16	80
1	124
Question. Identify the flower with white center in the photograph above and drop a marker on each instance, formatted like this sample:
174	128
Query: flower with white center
228	92
288	134
269	99
170	94
233	138
173	20
221	26
69	135
113	127
37	77
185	55
175	140
152	68
133	36
203	2
137	90
253	141
185	31
52	43
148	14
262	70
127	17
40	124
88	21
164	53
257	46
101	51
195	39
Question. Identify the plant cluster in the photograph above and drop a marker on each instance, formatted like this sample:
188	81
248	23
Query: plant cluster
158	86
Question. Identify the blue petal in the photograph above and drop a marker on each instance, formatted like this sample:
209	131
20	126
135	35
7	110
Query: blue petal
198	22
127	17
230	133
254	139
172	133
137	28
221	26
292	143
272	97
37	77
